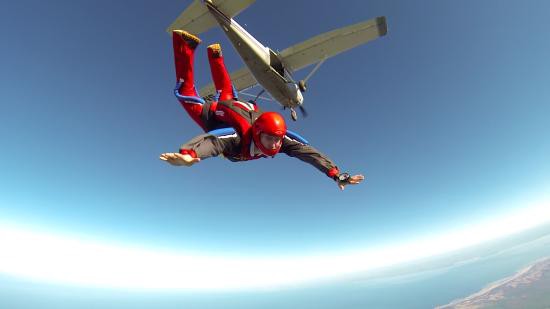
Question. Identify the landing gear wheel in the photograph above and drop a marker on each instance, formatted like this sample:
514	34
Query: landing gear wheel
293	114
302	85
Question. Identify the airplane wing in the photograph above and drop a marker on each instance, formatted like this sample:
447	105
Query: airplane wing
197	19
241	79
332	43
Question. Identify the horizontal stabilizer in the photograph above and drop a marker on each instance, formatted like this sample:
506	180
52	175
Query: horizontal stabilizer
197	19
332	43
241	79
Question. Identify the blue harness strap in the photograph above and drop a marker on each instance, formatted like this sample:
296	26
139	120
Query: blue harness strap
183	98
222	131
297	137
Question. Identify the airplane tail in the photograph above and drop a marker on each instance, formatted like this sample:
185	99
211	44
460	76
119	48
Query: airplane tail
197	19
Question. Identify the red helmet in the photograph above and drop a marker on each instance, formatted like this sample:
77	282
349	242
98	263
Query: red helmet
270	123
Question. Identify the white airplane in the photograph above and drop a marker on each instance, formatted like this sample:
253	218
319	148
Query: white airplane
270	69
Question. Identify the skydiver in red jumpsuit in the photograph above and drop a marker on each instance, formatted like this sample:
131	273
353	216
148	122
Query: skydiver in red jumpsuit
237	130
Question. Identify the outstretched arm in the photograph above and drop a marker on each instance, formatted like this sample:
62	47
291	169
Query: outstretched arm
201	147
304	152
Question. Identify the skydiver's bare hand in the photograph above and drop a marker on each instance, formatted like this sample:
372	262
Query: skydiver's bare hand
352	180
178	159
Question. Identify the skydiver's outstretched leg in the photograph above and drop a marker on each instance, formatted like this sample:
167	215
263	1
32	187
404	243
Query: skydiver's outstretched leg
221	78
184	52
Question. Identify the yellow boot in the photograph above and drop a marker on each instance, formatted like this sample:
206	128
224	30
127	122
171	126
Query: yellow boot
215	50
192	40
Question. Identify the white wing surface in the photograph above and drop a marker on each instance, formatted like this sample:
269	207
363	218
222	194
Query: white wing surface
196	19
332	43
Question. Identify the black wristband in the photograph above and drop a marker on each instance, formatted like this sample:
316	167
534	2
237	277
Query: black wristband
342	177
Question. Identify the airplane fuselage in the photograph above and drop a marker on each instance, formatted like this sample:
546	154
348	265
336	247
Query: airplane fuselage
259	59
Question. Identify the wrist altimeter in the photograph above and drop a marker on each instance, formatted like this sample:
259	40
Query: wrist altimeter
342	178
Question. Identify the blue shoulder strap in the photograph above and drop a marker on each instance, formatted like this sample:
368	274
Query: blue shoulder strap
297	137
222	131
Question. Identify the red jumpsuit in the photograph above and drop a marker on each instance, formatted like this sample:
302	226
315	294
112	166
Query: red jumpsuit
187	94
226	111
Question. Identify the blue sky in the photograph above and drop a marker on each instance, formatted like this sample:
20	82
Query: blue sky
447	117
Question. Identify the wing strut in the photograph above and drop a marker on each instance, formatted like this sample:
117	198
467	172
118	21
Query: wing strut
303	83
317	66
